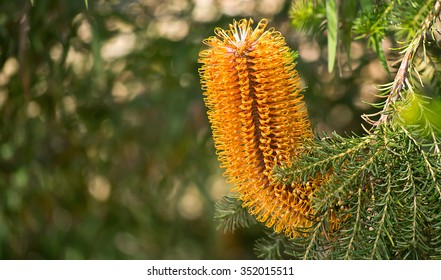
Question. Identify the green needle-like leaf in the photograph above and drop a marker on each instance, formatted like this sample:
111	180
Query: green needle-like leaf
332	15
376	44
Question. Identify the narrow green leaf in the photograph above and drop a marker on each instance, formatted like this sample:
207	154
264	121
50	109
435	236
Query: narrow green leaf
86	2
332	16
349	9
32	3
376	44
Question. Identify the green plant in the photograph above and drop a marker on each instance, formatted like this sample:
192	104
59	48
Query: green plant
384	187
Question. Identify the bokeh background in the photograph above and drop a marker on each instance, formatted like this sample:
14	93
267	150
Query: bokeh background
105	147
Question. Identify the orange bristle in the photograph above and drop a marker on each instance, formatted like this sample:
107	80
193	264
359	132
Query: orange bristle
258	120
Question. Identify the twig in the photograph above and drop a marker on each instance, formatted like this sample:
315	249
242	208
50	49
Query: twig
401	78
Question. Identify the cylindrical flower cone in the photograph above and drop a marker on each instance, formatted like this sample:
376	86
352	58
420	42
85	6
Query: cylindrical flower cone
258	120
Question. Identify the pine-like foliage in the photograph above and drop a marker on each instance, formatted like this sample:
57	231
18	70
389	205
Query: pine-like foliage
384	187
231	214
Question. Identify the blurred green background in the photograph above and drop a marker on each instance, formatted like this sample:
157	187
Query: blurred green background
105	148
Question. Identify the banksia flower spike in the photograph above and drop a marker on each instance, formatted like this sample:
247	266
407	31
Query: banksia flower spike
258	119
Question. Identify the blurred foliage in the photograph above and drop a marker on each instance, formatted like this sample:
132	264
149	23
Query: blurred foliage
421	111
104	146
105	149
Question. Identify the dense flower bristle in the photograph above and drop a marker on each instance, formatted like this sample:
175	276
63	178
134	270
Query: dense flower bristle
258	120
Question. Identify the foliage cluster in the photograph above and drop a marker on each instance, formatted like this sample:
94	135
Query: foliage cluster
383	185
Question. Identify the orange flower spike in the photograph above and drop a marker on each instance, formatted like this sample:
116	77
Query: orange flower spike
258	118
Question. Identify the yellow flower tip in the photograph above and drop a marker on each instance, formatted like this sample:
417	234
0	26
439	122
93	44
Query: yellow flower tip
240	38
258	119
